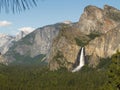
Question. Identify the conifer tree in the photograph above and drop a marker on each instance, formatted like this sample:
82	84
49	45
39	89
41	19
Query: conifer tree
113	82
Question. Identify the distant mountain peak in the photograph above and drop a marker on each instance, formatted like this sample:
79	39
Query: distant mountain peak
3	35
5	42
67	22
22	34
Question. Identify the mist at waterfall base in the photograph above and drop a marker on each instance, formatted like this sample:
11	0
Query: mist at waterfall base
80	60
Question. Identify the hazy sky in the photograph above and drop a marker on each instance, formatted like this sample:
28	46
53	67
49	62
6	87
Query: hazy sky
48	12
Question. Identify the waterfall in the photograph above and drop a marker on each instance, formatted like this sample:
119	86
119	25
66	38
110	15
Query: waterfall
81	61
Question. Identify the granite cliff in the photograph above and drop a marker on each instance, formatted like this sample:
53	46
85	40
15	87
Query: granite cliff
98	30
6	42
104	46
33	45
95	19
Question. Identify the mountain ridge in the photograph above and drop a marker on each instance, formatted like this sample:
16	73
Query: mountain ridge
36	43
5	42
60	43
93	26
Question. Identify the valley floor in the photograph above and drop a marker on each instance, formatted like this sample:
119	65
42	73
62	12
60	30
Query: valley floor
37	78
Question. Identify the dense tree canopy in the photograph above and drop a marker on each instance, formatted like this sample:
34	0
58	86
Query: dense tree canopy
40	78
36	77
113	82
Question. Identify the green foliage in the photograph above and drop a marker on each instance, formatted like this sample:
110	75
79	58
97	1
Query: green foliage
21	59
28	40
60	59
86	68
93	35
17	77
104	63
113	82
59	55
82	41
16	5
63	30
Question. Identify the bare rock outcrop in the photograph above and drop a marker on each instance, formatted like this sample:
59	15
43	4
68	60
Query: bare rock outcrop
104	46
93	20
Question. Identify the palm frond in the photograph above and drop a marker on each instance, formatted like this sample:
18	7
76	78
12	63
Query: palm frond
16	5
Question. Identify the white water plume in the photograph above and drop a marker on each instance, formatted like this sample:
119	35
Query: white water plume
81	61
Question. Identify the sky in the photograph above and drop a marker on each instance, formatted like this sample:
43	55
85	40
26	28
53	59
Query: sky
48	12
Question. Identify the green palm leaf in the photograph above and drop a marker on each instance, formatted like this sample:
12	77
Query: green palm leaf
16	5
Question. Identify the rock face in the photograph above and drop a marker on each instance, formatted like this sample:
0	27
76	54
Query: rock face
5	43
104	46
98	20
64	49
36	43
1	59
104	22
98	30
22	34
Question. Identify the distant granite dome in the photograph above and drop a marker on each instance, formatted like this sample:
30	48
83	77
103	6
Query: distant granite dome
34	44
67	22
5	42
23	33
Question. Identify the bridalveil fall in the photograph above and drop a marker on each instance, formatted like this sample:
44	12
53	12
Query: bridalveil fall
81	60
